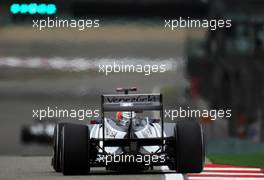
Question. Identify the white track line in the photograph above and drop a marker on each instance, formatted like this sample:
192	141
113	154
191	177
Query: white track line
171	176
232	169
228	173
232	173
82	64
223	178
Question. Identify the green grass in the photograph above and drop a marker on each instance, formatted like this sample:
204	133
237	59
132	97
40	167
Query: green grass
255	160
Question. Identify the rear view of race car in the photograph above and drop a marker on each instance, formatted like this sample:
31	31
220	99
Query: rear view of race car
130	136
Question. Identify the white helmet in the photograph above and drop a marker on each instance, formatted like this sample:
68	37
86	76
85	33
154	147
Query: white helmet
128	115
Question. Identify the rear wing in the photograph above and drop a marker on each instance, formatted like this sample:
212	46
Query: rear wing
132	102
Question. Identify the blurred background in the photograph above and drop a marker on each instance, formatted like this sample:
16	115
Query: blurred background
220	69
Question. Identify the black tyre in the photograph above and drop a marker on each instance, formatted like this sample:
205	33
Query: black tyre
56	159
26	136
75	149
189	148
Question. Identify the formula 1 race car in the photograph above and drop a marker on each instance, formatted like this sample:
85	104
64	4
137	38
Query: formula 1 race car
127	138
39	132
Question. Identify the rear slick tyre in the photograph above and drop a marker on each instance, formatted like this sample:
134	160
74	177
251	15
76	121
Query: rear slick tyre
56	159
189	147
75	150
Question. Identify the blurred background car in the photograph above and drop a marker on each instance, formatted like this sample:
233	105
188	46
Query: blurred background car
39	132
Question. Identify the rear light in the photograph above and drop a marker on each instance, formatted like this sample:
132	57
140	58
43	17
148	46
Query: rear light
96	121
93	122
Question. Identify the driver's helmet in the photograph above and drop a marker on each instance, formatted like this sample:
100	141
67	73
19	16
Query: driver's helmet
125	116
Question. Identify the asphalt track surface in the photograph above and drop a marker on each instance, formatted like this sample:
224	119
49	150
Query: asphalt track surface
39	168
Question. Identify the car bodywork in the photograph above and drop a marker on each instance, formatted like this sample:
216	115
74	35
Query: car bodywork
139	131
